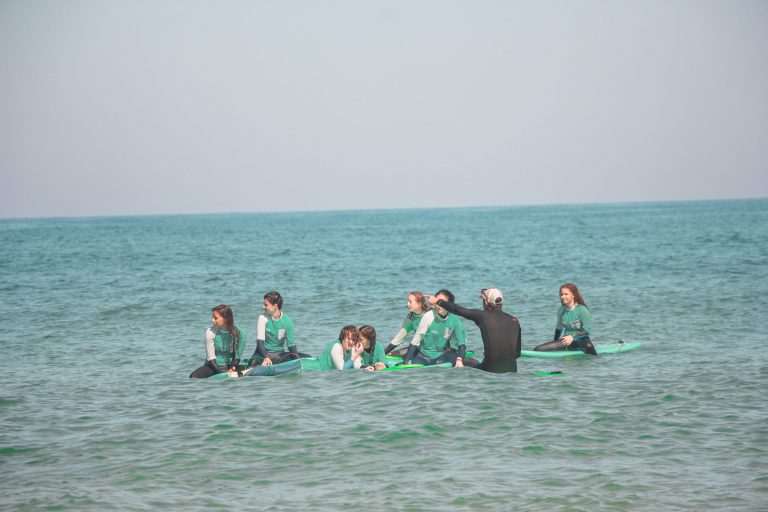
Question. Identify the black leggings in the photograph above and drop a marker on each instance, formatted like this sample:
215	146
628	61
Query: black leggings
584	344
448	356
203	372
276	357
275	369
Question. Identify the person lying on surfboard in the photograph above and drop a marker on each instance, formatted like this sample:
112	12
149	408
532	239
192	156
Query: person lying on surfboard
341	354
372	357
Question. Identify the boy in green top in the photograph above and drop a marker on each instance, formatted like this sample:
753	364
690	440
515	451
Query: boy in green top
274	333
440	338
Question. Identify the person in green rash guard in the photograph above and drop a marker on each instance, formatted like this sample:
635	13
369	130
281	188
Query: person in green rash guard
274	332
224	344
417	306
440	337
372	357
341	354
573	323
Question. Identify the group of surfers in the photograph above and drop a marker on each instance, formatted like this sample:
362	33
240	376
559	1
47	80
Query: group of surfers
438	336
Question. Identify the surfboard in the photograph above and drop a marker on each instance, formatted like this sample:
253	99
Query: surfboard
393	360
609	348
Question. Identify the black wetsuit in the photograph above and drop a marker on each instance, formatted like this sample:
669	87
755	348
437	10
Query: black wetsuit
501	336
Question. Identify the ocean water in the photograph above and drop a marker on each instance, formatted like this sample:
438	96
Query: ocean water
103	320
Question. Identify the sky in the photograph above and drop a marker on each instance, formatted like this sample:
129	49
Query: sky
142	107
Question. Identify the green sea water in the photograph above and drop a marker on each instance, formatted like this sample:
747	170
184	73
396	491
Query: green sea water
103	320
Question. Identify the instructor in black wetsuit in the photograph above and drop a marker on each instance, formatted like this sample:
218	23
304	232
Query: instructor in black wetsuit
500	330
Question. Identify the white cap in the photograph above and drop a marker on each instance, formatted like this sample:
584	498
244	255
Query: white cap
492	296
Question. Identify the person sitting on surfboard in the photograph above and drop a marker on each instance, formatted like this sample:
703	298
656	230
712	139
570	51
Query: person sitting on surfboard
500	331
440	337
372	357
341	354
573	323
224	344
417	306
274	331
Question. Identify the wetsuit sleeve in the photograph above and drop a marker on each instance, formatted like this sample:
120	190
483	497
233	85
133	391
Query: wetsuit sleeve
401	334
460	333
261	328
261	335
460	338
424	324
241	343
337	356
559	326
472	314
260	348
210	348
289	338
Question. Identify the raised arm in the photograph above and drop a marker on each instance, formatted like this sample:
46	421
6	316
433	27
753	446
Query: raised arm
471	314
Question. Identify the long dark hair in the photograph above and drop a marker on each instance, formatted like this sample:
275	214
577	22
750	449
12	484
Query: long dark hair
576	295
369	333
229	321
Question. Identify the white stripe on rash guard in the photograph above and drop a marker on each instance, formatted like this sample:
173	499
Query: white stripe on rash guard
261	328
210	348
402	333
337	356
424	324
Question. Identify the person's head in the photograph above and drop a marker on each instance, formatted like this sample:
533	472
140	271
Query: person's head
447	297
224	319
368	337
273	302
570	296
348	336
417	303
492	298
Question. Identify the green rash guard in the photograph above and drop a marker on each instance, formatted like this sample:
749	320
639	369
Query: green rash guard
410	324
574	322
276	334
333	358
377	356
218	346
435	334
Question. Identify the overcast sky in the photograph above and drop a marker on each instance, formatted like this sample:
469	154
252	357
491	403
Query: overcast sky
151	107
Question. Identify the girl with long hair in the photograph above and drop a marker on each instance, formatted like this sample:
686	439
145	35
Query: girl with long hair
224	344
574	324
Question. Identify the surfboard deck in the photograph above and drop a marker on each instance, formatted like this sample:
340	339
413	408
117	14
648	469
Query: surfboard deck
604	349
